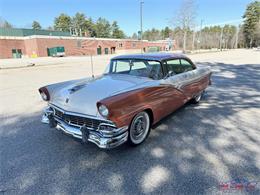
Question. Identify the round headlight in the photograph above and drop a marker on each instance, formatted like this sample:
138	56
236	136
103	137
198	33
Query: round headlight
103	110
44	93
44	96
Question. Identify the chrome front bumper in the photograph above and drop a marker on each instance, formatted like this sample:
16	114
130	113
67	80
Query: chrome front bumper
103	138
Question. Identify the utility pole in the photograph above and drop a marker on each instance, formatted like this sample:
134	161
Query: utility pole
92	68
141	24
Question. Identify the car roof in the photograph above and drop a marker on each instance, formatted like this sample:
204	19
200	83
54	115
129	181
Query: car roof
151	56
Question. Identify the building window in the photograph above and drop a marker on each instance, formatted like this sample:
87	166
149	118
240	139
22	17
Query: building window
106	50
17	53
99	50
120	45
133	45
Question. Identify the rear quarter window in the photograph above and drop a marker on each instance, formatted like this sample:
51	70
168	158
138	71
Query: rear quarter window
186	65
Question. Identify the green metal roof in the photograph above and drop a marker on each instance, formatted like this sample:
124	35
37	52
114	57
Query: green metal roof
21	32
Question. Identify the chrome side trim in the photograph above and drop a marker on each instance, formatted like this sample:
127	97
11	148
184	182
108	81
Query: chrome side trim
180	80
179	86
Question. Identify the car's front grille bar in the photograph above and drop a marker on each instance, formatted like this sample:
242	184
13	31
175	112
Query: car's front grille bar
78	121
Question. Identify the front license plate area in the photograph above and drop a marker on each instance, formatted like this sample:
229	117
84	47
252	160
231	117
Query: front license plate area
85	134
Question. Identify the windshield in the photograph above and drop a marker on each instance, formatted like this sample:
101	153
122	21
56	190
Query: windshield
142	68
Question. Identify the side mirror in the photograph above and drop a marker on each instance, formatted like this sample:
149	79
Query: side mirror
170	73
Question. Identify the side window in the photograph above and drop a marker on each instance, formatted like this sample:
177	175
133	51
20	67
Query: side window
121	66
186	66
154	70
138	65
174	65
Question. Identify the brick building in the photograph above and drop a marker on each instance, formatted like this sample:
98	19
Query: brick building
36	44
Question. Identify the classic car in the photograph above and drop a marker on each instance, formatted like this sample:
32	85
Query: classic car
134	93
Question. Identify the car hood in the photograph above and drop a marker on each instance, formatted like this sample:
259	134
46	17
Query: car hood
82	96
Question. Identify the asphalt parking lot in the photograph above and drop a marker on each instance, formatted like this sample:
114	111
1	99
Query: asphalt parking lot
191	151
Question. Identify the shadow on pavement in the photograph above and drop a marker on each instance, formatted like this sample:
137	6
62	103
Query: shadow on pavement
189	152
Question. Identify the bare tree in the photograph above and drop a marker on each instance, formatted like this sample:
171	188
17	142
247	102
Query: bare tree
5	24
185	19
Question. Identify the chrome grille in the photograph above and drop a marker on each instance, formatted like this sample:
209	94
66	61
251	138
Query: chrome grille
58	113
77	120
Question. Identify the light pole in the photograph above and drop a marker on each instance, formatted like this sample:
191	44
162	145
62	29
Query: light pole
141	24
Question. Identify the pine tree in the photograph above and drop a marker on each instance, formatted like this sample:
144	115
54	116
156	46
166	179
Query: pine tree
36	25
251	24
62	23
116	32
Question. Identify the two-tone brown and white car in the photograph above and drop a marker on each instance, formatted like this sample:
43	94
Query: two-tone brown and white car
134	93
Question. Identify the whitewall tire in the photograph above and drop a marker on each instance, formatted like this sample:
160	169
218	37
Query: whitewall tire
139	128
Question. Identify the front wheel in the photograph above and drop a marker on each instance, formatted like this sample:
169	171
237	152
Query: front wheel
139	128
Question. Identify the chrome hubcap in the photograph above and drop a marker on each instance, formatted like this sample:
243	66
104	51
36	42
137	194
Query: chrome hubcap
139	127
197	98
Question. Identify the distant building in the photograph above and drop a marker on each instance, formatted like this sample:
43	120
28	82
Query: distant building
16	43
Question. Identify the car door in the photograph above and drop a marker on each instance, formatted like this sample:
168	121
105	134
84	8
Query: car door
182	76
176	97
191	83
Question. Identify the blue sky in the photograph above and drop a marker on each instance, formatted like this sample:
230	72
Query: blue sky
157	13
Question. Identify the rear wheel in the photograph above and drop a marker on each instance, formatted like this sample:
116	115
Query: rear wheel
139	128
197	98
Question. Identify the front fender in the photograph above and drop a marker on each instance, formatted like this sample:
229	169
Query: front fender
123	107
